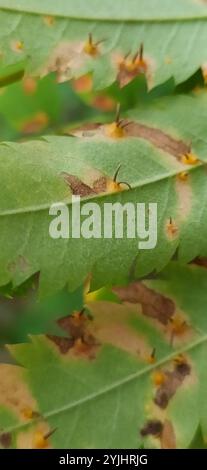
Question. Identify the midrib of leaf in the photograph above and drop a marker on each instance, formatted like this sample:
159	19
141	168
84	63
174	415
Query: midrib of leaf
68	202
114	386
71	12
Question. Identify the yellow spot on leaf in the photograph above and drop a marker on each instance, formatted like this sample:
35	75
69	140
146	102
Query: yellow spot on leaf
17	46
29	413
179	325
183	176
158	378
114	131
39	440
90	47
49	20
113	187
189	159
172	228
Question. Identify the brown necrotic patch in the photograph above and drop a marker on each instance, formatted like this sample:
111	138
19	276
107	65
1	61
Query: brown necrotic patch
173	380
78	187
5	440
200	261
153	304
153	428
168	438
79	340
132	65
158	138
14	393
161	430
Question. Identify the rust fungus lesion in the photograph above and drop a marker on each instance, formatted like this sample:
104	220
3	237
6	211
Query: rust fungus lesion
173	379
49	20
183	176
154	305
37	436
189	158
171	228
131	65
41	439
17	45
153	428
100	184
91	47
79	341
160	430
70	56
116	129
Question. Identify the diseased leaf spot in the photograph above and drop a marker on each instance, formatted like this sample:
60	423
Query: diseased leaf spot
171	229
5	440
183	176
157	138
153	304
178	327
153	428
163	431
189	159
13	392
130	67
49	20
173	380
66	58
17	46
29	413
92	48
200	261
80	341
168	438
125	128
77	186
158	378
40	440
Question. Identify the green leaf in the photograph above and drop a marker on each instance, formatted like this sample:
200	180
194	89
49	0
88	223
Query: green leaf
165	29
31	316
103	390
31	178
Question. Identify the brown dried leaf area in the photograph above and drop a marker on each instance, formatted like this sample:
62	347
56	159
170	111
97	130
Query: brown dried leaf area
166	382
16	397
158	308
200	261
132	65
154	305
163	431
113	324
107	324
69	57
123	128
97	183
79	341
